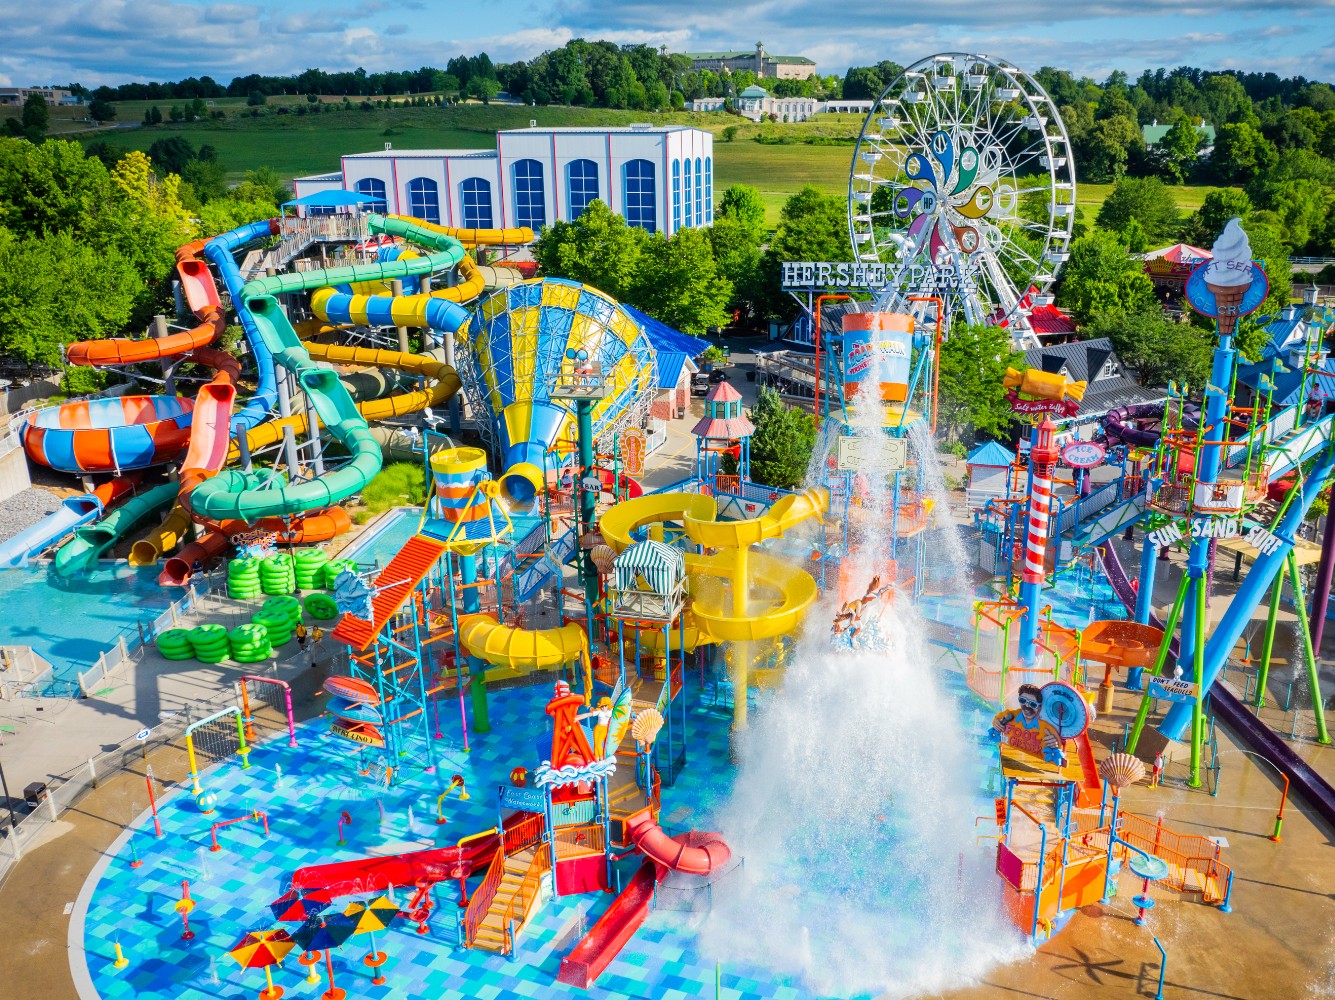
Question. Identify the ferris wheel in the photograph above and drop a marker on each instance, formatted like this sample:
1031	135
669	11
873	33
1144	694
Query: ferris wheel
962	186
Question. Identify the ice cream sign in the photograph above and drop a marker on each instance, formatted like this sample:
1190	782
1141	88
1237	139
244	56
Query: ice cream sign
1230	285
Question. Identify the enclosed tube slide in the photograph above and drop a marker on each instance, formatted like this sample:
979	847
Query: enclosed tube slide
230	496
81	552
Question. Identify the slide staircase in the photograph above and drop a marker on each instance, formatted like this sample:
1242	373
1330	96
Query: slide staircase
395	585
509	893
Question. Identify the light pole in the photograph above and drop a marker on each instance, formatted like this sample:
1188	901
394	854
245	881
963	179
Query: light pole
1283	796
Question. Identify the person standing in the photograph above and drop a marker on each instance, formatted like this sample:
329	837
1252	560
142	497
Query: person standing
1156	773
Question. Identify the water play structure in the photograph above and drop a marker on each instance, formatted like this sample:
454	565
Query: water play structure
567	699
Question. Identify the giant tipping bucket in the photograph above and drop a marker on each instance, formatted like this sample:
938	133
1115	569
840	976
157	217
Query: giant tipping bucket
458	471
519	341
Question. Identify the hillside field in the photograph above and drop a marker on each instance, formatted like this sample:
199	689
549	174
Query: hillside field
295	145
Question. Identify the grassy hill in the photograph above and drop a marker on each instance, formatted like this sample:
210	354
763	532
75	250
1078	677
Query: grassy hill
296	144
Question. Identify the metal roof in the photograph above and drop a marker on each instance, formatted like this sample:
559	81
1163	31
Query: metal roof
664	337
670	365
421	154
991	454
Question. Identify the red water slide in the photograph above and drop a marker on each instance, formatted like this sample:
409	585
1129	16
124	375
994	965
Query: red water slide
697	853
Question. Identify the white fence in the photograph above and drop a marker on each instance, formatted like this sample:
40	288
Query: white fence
21	669
125	652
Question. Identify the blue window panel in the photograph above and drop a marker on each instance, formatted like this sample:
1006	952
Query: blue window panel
699	192
475	196
530	195
424	199
690	215
640	195
709	189
676	195
373	187
581	186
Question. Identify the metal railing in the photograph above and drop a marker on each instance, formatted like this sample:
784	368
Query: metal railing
127	651
156	754
519	903
522	834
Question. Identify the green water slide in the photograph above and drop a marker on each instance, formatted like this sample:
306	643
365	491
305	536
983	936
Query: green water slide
232	494
81	552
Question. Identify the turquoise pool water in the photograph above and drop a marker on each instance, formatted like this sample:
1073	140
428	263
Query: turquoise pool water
385	538
71	623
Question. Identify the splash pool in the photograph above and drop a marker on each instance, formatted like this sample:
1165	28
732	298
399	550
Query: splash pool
384	539
72	623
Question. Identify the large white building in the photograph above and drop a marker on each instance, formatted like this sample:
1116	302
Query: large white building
657	177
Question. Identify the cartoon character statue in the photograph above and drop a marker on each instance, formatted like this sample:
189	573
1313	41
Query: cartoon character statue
1025	729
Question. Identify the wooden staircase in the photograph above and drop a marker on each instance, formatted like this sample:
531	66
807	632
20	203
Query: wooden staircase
399	579
515	901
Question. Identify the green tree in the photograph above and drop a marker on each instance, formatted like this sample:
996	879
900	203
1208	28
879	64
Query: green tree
678	282
272	187
812	226
973	363
1269	247
1144	198
483	88
1106	147
256	98
102	111
598	248
58	289
171	155
207	178
1176	152
736	248
783	441
1241	152
1155	347
745	204
1101	275
1207	222
36	117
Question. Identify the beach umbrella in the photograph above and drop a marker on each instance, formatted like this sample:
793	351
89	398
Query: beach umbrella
368	918
296	906
262	950
325	934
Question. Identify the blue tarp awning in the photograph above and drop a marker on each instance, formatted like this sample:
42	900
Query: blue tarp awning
331	199
664	338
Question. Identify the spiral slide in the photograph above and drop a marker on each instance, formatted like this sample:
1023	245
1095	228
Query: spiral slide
229	495
520	651
710	618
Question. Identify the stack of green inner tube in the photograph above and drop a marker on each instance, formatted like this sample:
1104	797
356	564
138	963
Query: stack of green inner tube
243	578
285	607
310	564
321	607
277	575
210	643
174	644
276	624
335	567
250	643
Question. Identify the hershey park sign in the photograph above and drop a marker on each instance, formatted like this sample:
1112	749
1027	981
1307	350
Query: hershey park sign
815	276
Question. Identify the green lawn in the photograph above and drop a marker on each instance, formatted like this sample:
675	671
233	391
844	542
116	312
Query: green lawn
295	145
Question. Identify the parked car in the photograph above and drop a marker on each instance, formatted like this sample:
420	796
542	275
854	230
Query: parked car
716	376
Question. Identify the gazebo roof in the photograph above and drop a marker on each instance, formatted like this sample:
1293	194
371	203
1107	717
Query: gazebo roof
991	454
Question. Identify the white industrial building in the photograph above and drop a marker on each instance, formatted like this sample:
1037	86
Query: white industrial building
658	177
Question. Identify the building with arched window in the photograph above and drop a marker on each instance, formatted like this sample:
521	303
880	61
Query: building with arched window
657	177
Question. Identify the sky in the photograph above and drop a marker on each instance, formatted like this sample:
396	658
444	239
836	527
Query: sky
98	42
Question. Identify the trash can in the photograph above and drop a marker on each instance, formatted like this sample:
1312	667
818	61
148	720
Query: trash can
35	794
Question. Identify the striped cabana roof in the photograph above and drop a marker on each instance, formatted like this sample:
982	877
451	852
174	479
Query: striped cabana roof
659	566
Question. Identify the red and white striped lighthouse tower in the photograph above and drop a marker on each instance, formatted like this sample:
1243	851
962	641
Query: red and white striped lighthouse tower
1042	462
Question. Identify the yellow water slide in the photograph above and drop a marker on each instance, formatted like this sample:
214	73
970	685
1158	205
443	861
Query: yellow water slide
518	651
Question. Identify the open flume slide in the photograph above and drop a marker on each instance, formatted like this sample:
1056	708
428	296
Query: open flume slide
697	853
377	874
73	513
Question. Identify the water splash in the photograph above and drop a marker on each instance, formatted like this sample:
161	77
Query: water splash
854	808
204	871
278	776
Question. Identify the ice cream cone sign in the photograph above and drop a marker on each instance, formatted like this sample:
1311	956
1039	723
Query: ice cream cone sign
1229	285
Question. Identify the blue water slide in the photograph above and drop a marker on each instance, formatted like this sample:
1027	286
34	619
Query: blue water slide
219	251
73	512
441	315
1254	589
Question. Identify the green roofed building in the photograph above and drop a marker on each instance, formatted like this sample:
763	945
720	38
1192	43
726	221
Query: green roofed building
759	62
1153	135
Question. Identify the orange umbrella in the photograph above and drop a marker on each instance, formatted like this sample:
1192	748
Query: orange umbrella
262	950
369	918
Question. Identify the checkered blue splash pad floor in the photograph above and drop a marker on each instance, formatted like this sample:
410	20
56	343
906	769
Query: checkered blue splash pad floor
303	791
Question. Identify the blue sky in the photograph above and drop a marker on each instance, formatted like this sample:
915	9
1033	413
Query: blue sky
107	41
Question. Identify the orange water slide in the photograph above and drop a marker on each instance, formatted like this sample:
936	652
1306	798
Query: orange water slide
318	526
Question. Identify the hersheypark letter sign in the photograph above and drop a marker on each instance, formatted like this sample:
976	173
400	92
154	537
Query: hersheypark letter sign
815	276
